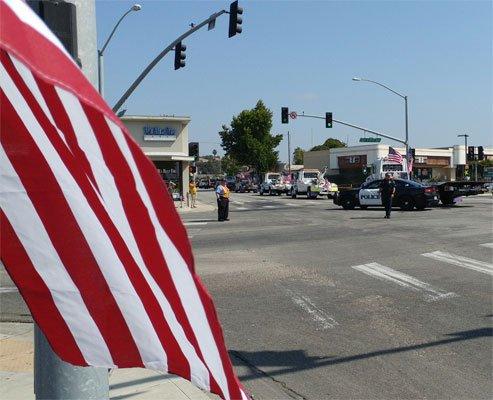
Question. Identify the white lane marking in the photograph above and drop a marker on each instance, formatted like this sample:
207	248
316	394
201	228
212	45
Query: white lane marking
194	223
268	206
291	204
238	202
460	261
8	289
318	315
385	273
240	208
490	245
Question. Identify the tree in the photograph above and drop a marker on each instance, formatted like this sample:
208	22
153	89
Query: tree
298	156
230	166
330	143
249	142
210	167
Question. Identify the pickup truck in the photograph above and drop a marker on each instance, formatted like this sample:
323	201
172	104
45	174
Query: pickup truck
272	184
308	182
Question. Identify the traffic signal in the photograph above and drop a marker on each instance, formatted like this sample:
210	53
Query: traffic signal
284	115
480	153
235	20
413	153
328	120
470	153
193	149
180	55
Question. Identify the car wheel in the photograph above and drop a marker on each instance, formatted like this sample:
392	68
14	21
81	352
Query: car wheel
270	192
363	207
309	194
261	192
348	204
407	203
293	193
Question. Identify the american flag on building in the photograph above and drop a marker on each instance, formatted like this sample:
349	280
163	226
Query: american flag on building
394	155
89	233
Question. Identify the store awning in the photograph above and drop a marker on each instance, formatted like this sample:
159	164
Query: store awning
182	158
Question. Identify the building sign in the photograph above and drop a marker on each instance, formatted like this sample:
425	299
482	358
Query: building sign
159	133
433	161
370	139
352	162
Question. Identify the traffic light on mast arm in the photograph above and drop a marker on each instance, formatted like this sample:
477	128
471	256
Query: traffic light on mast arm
328	120
480	153
235	20
284	115
180	55
470	153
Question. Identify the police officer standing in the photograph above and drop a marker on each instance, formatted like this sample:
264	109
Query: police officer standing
387	190
222	195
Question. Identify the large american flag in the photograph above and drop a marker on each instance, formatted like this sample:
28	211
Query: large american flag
394	155
89	233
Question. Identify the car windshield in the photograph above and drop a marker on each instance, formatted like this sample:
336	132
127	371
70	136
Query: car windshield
310	175
273	176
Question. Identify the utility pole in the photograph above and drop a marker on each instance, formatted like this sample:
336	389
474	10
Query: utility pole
289	154
55	379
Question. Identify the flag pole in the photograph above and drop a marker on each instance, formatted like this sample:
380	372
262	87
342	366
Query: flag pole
55	379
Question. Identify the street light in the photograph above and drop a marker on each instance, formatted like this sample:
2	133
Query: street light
357	79
135	7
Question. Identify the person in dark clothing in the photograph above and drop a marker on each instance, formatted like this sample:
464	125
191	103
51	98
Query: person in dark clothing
387	190
222	195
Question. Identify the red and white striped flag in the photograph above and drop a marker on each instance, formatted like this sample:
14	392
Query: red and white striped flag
394	155
88	232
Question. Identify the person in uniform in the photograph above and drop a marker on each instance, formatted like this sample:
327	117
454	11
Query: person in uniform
222	195
387	190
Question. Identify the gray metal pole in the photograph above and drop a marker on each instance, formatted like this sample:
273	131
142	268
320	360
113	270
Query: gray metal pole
407	131
153	63
289	154
100	73
55	379
356	127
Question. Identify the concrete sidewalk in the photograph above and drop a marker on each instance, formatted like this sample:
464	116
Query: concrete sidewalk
16	373
201	207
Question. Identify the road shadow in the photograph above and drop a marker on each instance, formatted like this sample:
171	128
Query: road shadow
297	360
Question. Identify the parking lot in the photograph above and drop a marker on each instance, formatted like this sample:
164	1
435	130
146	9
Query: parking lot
320	302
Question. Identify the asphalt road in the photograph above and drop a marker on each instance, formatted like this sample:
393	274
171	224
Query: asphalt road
317	302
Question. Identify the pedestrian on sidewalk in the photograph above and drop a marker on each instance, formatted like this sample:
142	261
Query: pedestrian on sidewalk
387	190
222	195
192	189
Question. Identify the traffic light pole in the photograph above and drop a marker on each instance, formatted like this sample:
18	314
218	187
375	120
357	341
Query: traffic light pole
153	63
404	142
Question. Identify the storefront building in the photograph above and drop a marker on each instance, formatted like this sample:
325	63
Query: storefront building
164	139
349	163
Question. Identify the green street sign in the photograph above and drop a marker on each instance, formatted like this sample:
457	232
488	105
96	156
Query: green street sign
370	139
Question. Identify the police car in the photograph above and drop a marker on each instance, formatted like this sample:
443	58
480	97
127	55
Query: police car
408	195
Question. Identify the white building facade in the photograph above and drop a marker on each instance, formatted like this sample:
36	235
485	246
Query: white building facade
164	139
442	163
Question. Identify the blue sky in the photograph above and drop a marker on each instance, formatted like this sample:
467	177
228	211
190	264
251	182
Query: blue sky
303	55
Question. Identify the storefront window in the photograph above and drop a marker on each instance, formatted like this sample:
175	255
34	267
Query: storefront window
170	171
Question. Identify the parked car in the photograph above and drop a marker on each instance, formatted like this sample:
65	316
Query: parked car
231	182
408	195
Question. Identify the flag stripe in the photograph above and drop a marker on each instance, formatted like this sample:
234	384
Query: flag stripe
48	200
142	239
23	217
181	275
115	211
38	295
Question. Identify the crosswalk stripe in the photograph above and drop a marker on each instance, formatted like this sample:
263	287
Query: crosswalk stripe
240	208
490	245
268	206
460	261
385	273
194	223
317	314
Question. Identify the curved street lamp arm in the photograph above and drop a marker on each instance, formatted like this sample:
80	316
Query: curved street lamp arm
160	56
113	31
386	87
